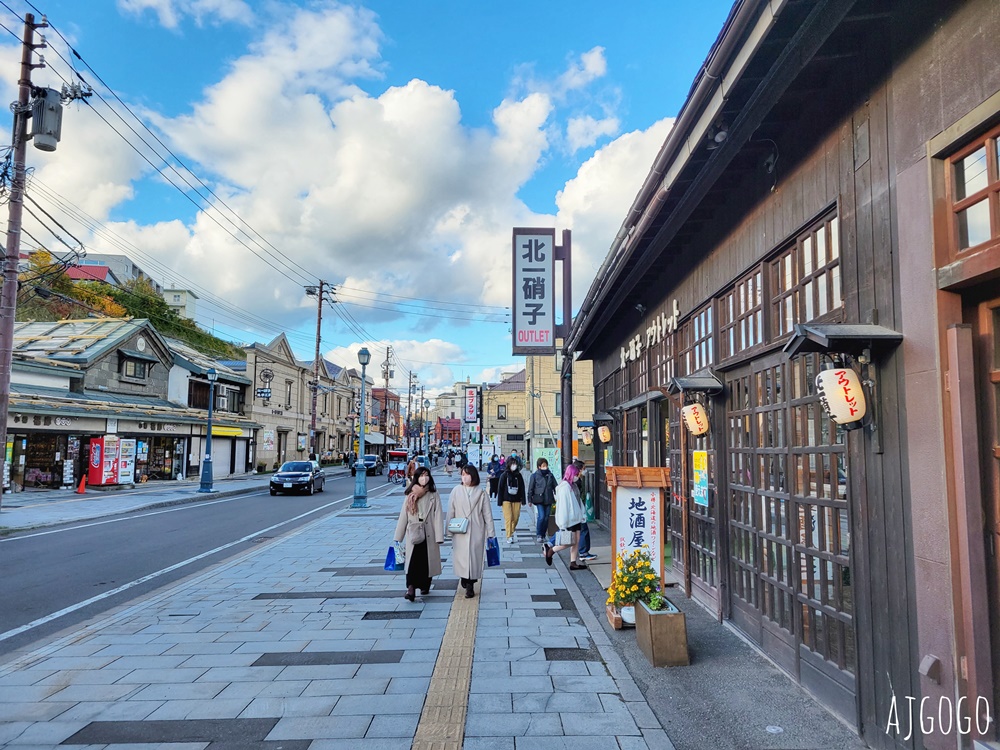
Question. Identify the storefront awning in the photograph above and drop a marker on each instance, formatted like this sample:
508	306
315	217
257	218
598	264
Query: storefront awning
841	339
703	380
377	438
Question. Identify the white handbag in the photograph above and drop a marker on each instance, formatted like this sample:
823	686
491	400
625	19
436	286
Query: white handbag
458	526
564	536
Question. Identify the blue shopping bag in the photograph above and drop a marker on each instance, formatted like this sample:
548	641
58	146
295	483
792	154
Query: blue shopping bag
492	552
390	560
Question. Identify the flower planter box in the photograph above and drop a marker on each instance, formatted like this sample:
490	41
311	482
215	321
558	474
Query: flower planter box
662	635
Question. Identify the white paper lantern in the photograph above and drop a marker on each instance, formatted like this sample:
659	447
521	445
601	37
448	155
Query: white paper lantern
841	395
604	433
696	418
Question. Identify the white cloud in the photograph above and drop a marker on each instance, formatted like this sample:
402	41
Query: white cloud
594	203
171	12
583	132
589	67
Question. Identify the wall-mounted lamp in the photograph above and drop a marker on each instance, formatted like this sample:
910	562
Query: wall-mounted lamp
695	418
717	135
641	308
844	394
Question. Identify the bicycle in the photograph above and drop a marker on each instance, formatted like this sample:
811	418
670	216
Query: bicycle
397	476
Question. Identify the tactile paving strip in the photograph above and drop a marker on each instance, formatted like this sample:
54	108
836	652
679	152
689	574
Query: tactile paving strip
442	722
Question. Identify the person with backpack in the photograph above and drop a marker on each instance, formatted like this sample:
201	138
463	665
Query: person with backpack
511	496
493	470
541	494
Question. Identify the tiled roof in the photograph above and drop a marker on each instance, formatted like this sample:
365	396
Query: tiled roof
74	340
514	383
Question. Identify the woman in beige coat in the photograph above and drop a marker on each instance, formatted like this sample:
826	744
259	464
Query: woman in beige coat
422	508
469	500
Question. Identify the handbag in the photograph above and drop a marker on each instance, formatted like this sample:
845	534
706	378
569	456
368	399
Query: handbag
415	531
564	536
458	526
492	552
392	562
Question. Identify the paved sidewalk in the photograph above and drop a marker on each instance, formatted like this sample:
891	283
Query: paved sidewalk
28	510
306	642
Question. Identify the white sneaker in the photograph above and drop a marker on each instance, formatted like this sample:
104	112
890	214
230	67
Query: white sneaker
510	540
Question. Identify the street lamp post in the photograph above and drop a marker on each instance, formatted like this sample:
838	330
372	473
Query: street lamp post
360	470
206	464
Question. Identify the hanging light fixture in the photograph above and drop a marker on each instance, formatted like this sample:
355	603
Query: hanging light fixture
695	418
842	396
604	433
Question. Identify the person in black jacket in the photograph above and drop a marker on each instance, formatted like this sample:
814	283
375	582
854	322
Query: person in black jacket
541	494
511	496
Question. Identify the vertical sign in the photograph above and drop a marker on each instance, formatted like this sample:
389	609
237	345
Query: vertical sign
471	405
534	292
638	517
699	489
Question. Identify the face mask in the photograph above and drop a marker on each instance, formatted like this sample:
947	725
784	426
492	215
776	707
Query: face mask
424	479
466	480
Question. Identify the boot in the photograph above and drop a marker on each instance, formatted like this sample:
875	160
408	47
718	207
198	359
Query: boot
470	590
410	594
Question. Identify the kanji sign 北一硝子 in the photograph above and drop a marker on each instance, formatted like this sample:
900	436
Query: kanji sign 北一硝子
534	293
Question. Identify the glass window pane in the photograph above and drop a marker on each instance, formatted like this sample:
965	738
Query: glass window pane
974	225
970	174
821	247
807	256
834	238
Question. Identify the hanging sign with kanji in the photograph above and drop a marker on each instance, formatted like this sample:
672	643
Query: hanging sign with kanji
533	308
638	520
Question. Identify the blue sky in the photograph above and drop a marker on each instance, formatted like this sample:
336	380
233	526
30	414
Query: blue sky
387	147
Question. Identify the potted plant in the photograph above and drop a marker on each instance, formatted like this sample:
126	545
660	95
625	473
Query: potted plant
661	631
633	579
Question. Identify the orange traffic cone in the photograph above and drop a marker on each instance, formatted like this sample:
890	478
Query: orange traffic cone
82	489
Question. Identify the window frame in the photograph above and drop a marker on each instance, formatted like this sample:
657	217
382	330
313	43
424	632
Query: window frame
990	141
501	412
140	370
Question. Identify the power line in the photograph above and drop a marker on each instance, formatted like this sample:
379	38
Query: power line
421	299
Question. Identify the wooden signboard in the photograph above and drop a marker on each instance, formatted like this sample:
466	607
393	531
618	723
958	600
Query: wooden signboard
637	512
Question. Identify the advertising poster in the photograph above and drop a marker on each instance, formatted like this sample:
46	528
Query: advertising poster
553	456
267	439
699	489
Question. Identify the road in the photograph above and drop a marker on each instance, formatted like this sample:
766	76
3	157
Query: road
55	578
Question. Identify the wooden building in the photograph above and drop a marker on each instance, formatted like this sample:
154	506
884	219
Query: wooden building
830	190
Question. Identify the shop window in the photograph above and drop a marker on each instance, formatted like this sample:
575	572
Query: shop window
805	278
133	368
973	184
741	316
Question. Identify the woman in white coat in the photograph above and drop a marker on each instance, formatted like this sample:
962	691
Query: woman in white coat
470	501
421	516
570	516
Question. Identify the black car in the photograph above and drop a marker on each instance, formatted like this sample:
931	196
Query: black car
373	464
298	476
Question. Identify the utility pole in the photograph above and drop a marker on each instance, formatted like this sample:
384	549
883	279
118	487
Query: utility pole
423	421
409	413
386	373
8	295
318	292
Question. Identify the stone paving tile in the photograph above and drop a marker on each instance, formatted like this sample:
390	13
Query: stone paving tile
117	711
251	690
46	734
320	727
33	711
417	685
379	704
490	703
356	686
393	726
192	709
557	703
599	724
488	743
513	724
263	708
589	684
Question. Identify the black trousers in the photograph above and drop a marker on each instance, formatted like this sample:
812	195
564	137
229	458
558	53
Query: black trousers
418	572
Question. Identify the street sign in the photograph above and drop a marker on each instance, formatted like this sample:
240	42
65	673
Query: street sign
263	393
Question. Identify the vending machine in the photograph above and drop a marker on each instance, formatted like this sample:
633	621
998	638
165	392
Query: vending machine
126	461
103	466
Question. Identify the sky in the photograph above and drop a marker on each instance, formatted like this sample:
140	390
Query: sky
244	149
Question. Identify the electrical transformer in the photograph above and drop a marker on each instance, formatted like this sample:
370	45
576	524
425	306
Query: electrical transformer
46	119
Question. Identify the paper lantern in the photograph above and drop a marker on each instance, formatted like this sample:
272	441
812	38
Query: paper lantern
696	418
604	433
841	395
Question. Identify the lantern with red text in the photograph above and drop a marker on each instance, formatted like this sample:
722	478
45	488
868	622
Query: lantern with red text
842	397
604	433
696	418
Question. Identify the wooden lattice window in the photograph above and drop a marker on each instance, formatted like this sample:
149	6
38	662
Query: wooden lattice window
974	193
805	278
694	342
741	316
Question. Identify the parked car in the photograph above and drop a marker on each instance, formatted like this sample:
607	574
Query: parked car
298	476
373	464
423	461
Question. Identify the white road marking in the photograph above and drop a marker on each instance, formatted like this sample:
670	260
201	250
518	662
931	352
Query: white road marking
158	573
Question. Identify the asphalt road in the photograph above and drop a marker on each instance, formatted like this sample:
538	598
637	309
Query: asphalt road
55	578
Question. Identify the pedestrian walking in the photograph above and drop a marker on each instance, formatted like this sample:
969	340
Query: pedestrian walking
541	494
469	501
449	465
570	516
585	554
493	469
420	524
511	496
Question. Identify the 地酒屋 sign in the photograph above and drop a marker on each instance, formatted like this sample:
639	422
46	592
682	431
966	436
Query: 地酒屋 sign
471	405
534	307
